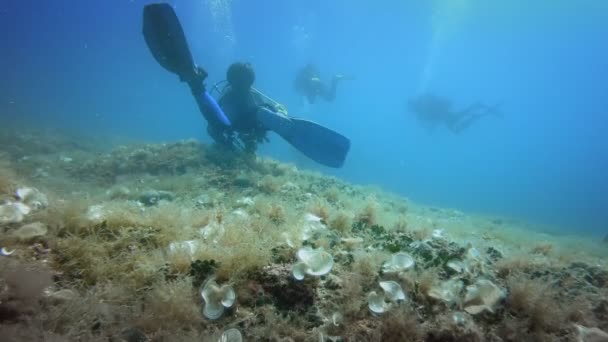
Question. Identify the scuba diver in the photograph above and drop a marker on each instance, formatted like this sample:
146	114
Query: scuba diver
308	83
240	102
242	115
433	110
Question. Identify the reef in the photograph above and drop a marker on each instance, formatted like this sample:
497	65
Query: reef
188	242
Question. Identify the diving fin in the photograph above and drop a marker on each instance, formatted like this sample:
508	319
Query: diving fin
317	142
166	40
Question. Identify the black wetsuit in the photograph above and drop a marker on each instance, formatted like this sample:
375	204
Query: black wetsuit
241	109
308	83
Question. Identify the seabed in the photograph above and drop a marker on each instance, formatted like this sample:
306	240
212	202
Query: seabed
185	242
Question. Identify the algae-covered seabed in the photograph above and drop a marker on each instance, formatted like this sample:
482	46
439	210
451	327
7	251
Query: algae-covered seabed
101	254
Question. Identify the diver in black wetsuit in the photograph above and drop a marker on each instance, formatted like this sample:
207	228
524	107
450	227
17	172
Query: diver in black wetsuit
308	83
433	110
240	102
243	115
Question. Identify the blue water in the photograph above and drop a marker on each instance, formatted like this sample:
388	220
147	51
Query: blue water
84	65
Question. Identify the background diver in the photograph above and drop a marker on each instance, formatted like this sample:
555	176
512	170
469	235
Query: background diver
433	110
243	115
308	83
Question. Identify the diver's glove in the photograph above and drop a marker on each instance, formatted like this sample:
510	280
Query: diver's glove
196	80
223	137
275	107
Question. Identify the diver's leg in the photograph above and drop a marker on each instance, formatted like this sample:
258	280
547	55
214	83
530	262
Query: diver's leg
482	109
495	110
464	121
219	135
330	94
311	98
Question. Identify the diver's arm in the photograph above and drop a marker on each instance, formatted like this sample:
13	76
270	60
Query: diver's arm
222	136
261	100
216	133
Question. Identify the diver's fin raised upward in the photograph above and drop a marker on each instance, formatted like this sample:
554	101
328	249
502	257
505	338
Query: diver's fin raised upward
166	40
317	142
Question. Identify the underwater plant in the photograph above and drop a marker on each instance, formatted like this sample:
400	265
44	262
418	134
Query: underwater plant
170	305
269	185
543	248
8	178
368	216
399	326
320	210
276	214
332	195
127	264
30	231
341	222
202	270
